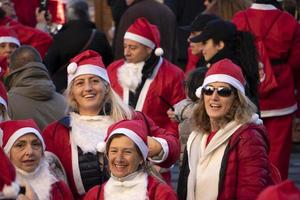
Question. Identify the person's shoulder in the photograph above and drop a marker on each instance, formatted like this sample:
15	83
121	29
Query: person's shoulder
115	64
160	190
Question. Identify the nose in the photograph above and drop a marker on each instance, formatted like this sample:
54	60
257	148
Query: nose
28	150
126	51
215	95
88	86
119	157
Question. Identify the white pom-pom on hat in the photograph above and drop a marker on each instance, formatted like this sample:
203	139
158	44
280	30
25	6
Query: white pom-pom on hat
159	51
198	92
101	147
72	67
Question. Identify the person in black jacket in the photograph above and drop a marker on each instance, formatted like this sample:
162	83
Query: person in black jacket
77	35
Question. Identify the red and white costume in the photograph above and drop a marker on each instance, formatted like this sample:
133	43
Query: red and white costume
85	132
166	81
138	184
43	182
151	189
165	84
280	35
45	185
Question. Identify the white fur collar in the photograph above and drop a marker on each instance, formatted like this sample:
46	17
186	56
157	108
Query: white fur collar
41	180
88	131
133	188
130	75
259	6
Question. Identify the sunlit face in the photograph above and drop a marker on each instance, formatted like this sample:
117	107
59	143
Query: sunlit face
123	156
135	52
217	106
7	48
89	92
26	152
196	48
210	49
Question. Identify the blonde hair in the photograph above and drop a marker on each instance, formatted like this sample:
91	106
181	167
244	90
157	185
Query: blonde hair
118	109
241	111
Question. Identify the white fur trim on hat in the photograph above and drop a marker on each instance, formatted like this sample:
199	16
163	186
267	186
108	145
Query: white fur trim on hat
221	78
134	136
101	147
11	191
140	39
9	40
19	133
89	69
159	51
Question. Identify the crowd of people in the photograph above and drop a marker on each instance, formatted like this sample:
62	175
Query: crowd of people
212	84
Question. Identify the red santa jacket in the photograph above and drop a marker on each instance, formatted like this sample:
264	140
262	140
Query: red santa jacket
30	36
280	34
245	169
60	191
156	191
167	83
192	62
57	140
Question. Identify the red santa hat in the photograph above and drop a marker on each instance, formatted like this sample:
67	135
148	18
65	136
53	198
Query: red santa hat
284	190
87	62
145	33
9	189
8	35
224	71
14	129
136	130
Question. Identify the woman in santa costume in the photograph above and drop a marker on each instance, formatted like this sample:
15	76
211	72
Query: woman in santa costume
228	151
24	145
93	107
127	150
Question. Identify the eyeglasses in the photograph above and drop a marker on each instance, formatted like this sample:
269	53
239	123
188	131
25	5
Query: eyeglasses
221	91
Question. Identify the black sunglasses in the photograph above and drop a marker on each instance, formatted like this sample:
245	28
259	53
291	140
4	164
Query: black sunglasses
221	91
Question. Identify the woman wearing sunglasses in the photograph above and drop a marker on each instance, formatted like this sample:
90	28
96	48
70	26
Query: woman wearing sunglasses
228	151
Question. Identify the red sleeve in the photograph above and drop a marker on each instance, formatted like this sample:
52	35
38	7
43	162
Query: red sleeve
92	193
164	192
253	165
60	190
173	142
294	62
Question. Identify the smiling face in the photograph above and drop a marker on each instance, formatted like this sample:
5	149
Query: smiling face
123	156
210	49
217	106
89	92
135	52
26	152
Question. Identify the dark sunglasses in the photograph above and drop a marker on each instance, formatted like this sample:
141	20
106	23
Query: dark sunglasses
221	91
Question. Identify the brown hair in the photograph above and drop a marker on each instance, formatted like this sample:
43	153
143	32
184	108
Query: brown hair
241	112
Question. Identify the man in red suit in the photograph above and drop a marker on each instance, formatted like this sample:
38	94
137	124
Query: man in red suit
278	41
144	79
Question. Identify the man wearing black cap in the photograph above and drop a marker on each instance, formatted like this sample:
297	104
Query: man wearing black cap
277	35
194	50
